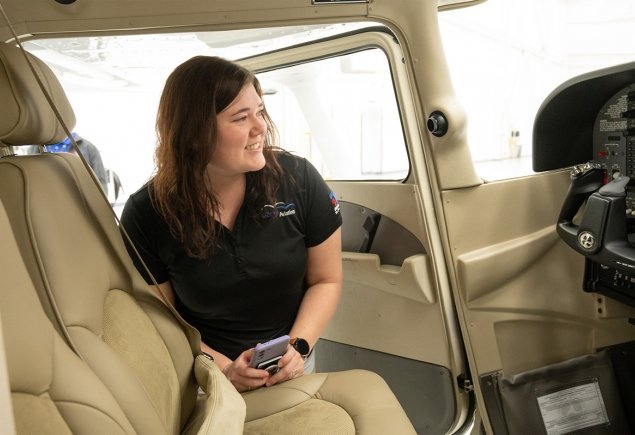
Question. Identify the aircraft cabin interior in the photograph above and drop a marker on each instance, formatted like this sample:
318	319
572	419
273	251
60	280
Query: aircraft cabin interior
480	153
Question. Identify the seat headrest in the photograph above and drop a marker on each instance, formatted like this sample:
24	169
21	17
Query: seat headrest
27	118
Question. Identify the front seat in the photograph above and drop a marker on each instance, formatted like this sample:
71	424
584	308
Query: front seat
84	279
52	390
136	345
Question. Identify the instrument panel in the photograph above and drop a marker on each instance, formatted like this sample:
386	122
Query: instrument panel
614	141
614	153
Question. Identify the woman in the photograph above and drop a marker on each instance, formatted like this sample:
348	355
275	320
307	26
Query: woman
243	238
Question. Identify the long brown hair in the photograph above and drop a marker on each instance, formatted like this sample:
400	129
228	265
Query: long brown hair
194	94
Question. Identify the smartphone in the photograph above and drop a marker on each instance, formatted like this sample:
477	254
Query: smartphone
266	355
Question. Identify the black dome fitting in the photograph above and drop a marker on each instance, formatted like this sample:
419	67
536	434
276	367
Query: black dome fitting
437	124
65	2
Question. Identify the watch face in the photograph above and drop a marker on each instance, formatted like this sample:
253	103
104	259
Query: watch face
302	346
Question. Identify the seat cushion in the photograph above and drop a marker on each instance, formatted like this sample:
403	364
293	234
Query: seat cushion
311	417
349	402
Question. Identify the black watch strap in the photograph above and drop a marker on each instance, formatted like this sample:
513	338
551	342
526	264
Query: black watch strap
301	346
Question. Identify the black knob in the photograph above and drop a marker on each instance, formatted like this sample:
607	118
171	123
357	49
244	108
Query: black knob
437	124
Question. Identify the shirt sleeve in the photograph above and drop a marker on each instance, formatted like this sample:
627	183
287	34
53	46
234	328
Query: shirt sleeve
323	211
139	220
92	154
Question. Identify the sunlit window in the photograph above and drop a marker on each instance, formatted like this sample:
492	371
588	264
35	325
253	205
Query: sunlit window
114	84
506	56
341	113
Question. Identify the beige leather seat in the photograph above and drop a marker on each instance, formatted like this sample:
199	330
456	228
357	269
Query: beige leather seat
52	390
76	260
94	298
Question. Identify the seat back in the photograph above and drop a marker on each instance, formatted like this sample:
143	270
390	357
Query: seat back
52	390
75	256
90	290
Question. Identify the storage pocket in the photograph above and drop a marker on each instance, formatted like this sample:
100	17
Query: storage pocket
577	395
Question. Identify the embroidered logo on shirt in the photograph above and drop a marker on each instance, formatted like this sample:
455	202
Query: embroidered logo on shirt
279	209
334	203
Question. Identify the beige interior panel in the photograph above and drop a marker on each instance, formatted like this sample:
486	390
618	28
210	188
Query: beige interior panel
524	279
519	286
413	280
43	16
488	268
400	202
501	211
371	318
385	308
539	342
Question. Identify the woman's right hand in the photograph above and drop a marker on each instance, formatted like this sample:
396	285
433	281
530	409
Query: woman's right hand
243	377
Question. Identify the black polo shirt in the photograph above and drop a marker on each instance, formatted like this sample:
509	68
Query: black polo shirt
250	289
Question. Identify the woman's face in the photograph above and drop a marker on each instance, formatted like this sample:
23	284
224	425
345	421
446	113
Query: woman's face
240	136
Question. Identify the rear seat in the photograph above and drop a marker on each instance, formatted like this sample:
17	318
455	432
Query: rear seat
94	298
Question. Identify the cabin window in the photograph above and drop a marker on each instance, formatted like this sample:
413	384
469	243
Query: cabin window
341	113
506	56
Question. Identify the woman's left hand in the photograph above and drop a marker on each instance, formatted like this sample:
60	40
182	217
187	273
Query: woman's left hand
291	366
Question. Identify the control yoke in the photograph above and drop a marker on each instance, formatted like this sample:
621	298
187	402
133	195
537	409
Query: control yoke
601	235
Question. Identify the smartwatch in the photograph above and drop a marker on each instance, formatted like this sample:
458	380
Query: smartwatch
301	346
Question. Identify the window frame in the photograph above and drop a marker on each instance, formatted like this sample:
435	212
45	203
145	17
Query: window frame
373	37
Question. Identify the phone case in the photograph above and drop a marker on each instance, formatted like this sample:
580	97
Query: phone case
270	365
269	350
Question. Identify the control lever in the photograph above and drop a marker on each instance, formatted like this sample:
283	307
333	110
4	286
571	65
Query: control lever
583	184
601	235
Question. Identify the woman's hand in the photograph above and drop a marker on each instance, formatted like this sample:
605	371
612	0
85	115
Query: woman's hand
243	377
246	378
291	366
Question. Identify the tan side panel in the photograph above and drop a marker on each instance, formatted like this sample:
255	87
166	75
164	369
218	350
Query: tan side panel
42	16
520	287
398	201
389	308
556	341
373	319
413	280
486	269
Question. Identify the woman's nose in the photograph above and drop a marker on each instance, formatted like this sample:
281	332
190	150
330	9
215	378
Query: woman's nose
259	126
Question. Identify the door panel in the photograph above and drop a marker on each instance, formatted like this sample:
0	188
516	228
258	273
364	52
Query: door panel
519	287
389	319
401	317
